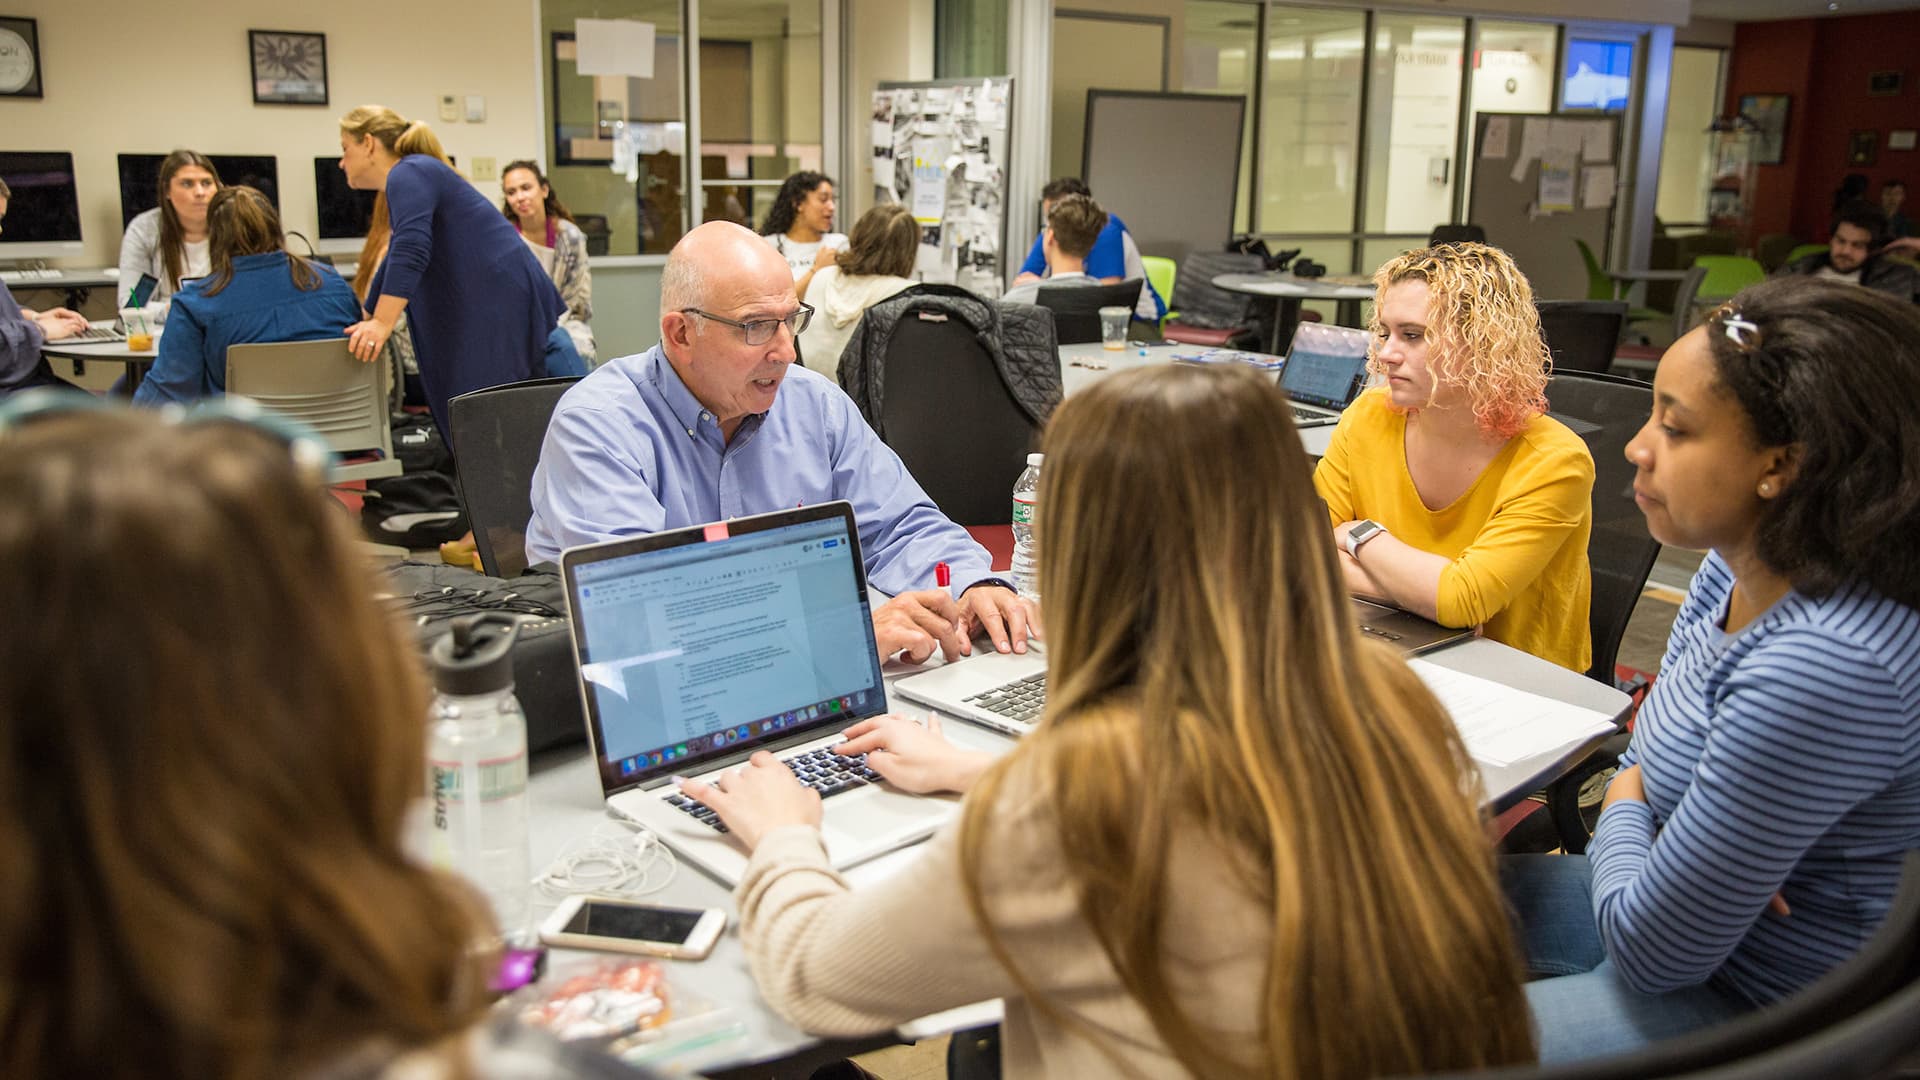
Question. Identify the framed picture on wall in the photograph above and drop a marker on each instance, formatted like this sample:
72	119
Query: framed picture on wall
1863	147
19	57
1768	115
1883	83
289	67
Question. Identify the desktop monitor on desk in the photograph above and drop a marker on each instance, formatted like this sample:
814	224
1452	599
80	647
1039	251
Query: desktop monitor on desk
43	212
140	179
345	213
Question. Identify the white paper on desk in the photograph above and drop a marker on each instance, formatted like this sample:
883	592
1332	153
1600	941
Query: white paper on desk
1596	187
1533	139
1493	140
1501	725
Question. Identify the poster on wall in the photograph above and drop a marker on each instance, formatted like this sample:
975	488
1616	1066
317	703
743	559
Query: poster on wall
940	149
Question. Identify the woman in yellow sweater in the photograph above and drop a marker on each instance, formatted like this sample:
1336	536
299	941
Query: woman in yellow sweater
1452	493
1180	871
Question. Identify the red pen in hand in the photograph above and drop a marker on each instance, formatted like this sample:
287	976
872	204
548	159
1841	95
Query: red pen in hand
942	575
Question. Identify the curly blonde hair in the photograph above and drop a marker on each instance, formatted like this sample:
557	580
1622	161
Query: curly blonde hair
1483	329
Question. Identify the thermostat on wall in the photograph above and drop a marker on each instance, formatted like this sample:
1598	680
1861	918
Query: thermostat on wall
449	108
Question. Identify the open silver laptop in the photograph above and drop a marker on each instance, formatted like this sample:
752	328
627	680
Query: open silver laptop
701	646
1326	369
1006	692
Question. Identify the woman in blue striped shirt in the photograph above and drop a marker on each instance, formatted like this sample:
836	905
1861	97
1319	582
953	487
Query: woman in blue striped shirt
1752	839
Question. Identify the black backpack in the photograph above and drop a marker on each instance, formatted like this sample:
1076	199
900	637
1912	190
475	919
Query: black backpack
420	508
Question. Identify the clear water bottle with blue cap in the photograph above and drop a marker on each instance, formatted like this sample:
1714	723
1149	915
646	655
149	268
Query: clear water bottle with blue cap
1026	501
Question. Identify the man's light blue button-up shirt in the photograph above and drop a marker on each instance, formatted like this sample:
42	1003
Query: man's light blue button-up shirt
630	451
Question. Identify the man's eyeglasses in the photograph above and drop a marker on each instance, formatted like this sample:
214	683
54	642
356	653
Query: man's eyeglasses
760	331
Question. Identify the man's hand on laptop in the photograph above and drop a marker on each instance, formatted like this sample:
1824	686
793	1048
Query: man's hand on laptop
1008	618
915	623
913	758
757	798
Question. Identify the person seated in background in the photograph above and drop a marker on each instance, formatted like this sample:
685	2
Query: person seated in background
205	818
24	330
256	292
1074	224
1753	837
1452	493
1165	877
800	227
1893	196
878	262
557	243
170	240
1114	257
717	422
1851	256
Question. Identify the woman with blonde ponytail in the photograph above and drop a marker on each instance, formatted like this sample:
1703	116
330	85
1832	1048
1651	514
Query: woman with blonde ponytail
1241	842
481	310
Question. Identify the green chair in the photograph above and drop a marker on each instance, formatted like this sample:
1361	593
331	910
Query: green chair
1160	274
1726	275
1600	286
1805	250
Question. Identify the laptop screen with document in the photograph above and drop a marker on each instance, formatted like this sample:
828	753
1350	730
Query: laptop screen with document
707	642
1326	366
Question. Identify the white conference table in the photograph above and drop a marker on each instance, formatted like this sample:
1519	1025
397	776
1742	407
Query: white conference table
566	804
137	361
1288	290
1083	365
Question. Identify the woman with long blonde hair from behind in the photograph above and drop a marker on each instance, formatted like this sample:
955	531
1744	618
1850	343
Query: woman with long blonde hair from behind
1241	841
1452	493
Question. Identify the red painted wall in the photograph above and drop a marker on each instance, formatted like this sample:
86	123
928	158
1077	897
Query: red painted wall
1824	64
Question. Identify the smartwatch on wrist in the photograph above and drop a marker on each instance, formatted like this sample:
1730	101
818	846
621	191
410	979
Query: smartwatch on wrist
1361	533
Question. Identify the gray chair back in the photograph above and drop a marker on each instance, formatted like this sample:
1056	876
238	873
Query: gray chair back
320	384
496	435
1582	334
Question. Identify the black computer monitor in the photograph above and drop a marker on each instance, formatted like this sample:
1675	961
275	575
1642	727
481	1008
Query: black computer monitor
43	210
140	179
345	213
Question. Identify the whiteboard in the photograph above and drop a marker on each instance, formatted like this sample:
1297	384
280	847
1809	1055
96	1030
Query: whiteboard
1168	164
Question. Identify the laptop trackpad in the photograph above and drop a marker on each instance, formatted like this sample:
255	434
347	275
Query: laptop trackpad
857	819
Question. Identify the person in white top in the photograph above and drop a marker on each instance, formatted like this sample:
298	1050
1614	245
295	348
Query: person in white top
878	263
800	227
1074	222
170	240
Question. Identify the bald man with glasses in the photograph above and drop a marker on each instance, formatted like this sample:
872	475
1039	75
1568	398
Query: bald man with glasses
718	421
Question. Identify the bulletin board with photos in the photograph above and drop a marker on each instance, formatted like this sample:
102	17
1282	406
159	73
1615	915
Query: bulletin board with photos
941	149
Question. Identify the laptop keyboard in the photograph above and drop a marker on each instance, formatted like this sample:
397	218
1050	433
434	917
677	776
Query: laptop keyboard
94	333
1307	414
1022	700
822	770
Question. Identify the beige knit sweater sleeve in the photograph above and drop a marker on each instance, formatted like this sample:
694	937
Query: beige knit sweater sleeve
838	961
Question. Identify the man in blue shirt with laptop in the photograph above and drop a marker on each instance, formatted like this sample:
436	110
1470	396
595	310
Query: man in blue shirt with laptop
718	421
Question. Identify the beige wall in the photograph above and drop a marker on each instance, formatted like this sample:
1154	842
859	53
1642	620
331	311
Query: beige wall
886	41
187	84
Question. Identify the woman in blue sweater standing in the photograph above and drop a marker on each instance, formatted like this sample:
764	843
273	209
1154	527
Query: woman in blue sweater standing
1753	836
482	311
254	292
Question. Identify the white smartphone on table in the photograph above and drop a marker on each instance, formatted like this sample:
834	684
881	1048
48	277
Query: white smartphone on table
621	925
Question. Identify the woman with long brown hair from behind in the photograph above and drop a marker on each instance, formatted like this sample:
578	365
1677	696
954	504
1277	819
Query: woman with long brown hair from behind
212	737
877	263
1242	841
256	291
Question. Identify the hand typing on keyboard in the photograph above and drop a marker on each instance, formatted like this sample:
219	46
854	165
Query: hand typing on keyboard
757	798
914	758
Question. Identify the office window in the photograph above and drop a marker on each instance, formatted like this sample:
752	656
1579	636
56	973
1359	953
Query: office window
1221	48
969	38
1309	120
1686	157
618	143
1413	117
760	104
1512	73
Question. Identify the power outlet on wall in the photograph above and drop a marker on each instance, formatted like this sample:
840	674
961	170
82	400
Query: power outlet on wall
484	169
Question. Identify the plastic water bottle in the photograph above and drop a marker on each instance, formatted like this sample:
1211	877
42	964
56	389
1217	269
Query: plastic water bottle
1026	496
477	766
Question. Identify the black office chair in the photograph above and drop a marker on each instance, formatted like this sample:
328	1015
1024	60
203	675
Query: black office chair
1620	552
942	386
1076	308
1582	334
497	434
1457	234
1862	1013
